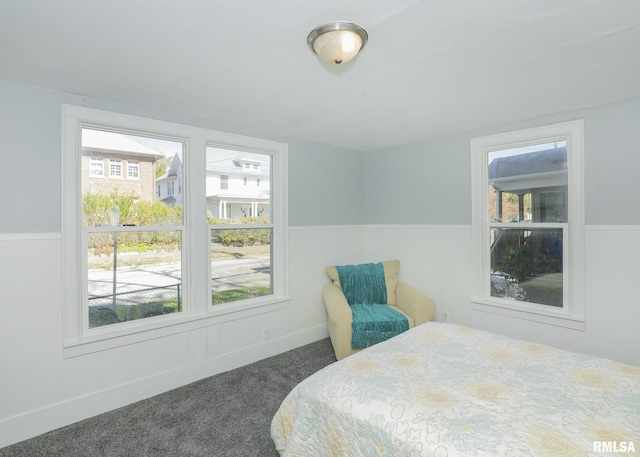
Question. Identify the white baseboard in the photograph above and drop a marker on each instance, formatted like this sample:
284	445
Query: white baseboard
36	422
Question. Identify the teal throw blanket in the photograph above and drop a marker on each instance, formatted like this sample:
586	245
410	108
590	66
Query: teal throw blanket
375	323
365	289
364	283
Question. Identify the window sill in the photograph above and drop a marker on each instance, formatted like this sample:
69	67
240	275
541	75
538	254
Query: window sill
551	317
103	339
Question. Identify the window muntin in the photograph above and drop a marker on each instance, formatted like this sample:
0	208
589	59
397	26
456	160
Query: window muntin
133	240
528	223
190	228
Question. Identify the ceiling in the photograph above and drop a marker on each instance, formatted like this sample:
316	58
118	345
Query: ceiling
430	68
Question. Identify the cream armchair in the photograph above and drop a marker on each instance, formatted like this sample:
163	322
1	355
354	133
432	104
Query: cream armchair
417	307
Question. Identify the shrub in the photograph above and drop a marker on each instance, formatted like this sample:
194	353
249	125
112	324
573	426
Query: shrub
96	210
525	261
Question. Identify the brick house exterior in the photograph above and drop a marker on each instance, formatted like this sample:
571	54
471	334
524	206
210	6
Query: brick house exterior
112	161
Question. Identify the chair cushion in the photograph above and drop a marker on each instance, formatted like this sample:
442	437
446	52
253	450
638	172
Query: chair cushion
391	270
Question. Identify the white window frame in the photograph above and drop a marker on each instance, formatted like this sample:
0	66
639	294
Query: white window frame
198	311
572	314
118	165
92	168
133	170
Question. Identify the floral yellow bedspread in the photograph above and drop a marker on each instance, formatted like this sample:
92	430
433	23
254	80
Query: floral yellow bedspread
444	390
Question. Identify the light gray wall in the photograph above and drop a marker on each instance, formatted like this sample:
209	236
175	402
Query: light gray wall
612	164
429	182
326	185
30	132
425	183
30	129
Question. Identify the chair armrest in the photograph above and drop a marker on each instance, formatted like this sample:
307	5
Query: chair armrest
415	303
339	319
336	303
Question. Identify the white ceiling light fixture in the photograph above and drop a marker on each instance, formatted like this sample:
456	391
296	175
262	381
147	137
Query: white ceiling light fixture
337	42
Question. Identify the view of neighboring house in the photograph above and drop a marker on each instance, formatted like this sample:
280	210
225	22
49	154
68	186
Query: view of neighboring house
169	185
112	161
237	185
540	174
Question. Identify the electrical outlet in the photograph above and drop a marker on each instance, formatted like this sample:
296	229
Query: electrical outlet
266	333
444	317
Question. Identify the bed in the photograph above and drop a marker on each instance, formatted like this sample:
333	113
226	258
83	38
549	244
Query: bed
445	390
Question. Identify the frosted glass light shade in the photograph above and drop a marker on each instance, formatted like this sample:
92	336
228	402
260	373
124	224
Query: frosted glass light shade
337	42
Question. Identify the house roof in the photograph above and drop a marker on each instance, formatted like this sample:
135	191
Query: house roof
430	68
234	164
524	173
547	161
109	142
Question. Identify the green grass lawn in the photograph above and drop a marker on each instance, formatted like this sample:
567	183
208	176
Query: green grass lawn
122	313
226	296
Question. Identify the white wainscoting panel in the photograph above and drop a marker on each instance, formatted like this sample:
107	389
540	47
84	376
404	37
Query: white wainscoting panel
435	259
41	390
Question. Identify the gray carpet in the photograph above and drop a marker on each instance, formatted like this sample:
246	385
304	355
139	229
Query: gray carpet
226	415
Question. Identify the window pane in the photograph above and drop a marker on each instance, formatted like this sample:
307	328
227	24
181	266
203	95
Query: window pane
115	168
240	264
133	275
238	187
526	265
97	167
528	184
133	170
152	161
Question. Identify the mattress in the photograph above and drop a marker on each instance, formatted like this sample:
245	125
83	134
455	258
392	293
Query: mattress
445	390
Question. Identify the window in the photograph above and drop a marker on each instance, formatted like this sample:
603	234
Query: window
170	187
115	168
139	267
224	182
241	244
97	167
528	223
133	170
